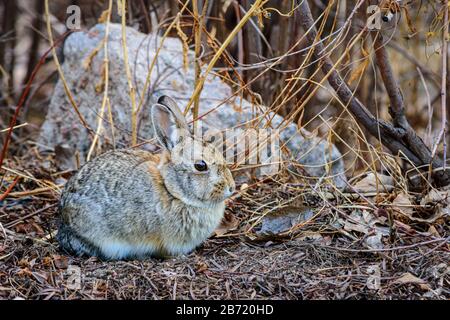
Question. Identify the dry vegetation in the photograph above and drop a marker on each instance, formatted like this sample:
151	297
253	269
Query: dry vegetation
382	96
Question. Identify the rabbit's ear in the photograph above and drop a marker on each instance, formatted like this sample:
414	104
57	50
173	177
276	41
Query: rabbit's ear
168	122
172	105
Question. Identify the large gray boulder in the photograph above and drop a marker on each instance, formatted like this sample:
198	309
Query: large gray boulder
307	156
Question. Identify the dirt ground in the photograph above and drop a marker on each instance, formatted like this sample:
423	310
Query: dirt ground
315	260
221	269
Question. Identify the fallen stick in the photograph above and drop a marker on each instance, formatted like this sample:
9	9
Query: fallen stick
21	219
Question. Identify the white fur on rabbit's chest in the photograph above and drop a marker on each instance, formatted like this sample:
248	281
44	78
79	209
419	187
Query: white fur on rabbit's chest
194	227
182	235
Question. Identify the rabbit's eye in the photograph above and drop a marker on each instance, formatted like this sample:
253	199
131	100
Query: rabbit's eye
200	165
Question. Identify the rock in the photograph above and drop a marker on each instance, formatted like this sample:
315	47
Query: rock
283	221
222	110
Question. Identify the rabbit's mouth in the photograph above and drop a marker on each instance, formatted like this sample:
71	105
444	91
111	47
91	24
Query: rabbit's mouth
222	192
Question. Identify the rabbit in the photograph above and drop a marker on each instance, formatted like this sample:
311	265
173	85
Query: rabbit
127	204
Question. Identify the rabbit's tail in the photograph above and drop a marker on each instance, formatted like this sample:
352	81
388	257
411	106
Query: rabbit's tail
72	243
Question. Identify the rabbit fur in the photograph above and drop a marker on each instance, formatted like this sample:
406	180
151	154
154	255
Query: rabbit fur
133	204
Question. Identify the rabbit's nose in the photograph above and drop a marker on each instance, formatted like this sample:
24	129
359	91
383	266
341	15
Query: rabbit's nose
228	191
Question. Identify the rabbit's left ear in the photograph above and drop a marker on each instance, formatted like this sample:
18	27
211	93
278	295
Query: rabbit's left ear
168	122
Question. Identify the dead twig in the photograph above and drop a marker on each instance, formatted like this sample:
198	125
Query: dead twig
10	187
401	139
15	222
443	131
24	95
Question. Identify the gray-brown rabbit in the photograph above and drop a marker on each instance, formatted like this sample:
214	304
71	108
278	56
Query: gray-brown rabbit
132	204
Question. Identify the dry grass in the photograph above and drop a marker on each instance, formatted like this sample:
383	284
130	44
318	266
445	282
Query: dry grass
316	259
325	256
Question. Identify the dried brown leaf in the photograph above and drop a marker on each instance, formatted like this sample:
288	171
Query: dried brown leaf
403	204
229	222
374	183
436	196
410	278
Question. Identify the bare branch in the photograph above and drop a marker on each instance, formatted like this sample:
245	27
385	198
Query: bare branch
443	131
401	138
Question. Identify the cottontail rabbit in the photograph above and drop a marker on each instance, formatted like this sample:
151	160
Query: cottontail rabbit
132	204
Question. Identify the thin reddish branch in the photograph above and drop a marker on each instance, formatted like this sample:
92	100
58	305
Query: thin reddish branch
24	96
9	189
